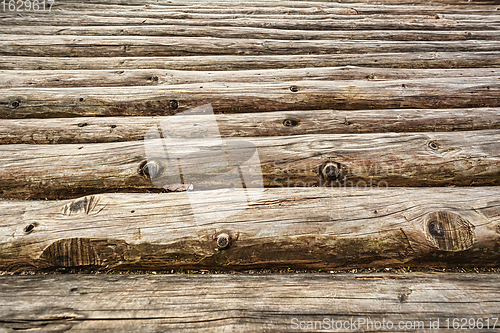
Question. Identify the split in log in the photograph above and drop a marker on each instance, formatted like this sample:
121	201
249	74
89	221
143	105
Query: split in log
246	303
142	46
316	228
245	32
148	77
280	123
352	160
227	62
238	97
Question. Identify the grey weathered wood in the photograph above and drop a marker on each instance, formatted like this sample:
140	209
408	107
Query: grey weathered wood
380	160
244	303
228	62
475	4
349	22
139	46
245	32
145	77
112	129
287	7
314	228
251	97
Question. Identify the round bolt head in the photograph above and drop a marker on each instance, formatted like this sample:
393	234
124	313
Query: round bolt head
222	240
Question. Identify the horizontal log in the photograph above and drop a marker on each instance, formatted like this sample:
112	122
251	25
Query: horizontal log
147	77
250	97
141	46
294	4
287	7
114	129
317	228
339	13
362	160
244	32
386	60
245	303
427	23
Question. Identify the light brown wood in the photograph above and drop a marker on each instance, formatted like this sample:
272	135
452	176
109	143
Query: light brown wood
336	23
364	160
245	32
143	77
315	228
236	97
139	46
236	303
113	129
386	60
310	8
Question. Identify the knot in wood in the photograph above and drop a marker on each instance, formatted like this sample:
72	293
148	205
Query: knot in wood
432	145
223	240
449	231
330	171
14	104
290	123
150	169
173	104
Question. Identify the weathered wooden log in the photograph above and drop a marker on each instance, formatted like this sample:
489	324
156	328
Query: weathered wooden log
341	14
386	60
246	303
293	4
147	77
141	46
244	32
250	97
301	228
427	23
342	160
115	129
288	8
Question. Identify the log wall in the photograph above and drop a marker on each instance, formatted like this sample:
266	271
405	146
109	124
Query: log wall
393	97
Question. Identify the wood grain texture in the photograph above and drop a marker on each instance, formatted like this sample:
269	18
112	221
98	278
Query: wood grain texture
412	23
148	77
279	123
255	33
311	8
250	97
222	303
364	160
293	4
386	60
143	46
314	228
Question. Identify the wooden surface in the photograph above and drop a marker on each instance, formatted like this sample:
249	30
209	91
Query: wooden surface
250	97
393	93
390	159
148	77
241	62
313	228
235	303
283	123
